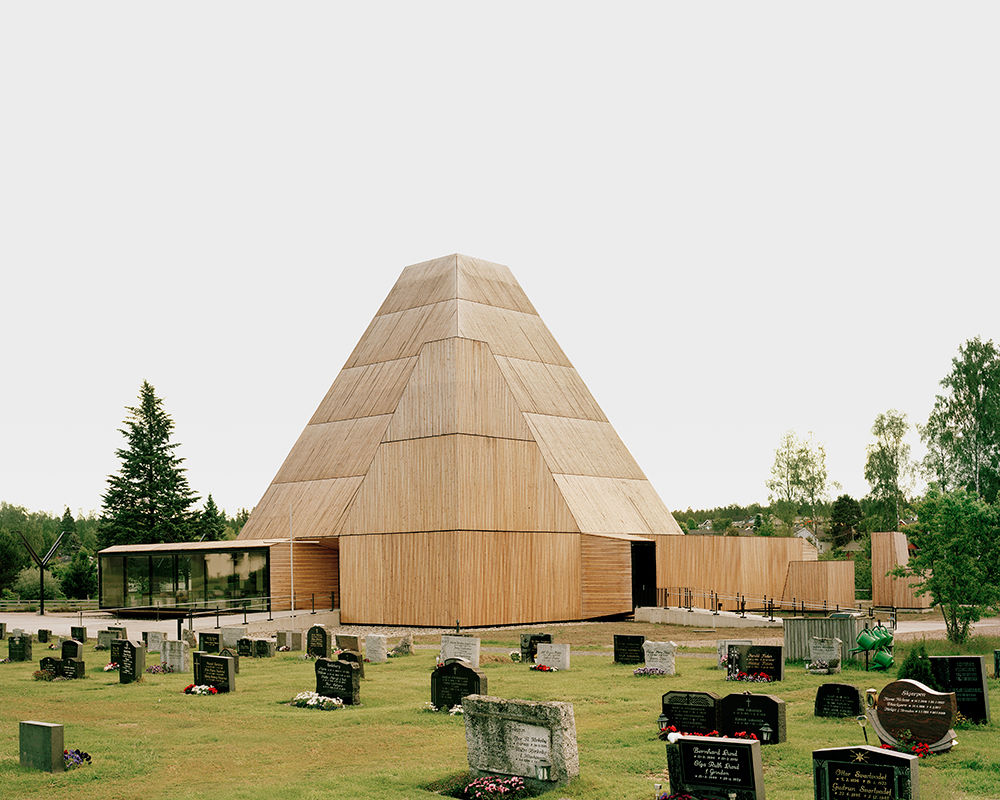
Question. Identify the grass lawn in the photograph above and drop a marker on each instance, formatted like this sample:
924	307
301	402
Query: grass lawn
150	740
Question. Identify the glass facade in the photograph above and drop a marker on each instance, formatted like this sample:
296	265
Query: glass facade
201	579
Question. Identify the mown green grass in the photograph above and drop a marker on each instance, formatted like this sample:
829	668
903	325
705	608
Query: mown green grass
149	740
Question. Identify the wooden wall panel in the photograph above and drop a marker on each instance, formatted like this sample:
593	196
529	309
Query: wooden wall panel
499	578
317	508
818	581
403	333
606	576
616	505
891	549
456	387
755	566
458	483
365	391
541	388
509	333
582	447
492	284
317	572
422	284
334	450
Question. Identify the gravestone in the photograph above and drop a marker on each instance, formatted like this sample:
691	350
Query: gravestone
71	649
230	652
290	639
722	647
51	664
754	659
105	638
405	646
263	648
318	642
231	634
529	644
131	659
44	634
354	657
838	700
72	668
711	766
174	654
347	642
456	646
122	633
628	649
338	679
192	640
41	746
512	737
197	668
824	651
453	681
691	712
209	642
377	648
3	630
661	655
864	773
155	640
19	648
910	706
966	677
996	663
760	714
551	655
76	632
244	647
217	671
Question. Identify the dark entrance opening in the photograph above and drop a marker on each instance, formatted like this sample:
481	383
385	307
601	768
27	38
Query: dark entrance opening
643	574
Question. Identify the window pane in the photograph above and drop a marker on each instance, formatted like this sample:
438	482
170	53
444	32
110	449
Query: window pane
112	581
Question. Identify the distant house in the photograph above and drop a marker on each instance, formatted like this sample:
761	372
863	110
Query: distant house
812	538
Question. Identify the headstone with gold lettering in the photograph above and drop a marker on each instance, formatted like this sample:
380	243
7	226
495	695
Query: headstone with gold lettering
908	710
712	766
864	773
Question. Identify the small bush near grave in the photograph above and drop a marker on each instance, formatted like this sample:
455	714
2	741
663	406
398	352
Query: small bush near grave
491	788
515	656
642	671
159	669
317	701
917	667
192	688
75	758
43	675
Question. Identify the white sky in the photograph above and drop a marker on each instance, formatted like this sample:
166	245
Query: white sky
736	218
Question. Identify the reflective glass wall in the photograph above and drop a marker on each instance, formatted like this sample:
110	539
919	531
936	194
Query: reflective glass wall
201	579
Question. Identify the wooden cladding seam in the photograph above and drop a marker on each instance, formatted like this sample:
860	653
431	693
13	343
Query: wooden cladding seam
606	576
317	575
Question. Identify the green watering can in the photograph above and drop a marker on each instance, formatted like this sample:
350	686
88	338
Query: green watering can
883	634
867	639
882	660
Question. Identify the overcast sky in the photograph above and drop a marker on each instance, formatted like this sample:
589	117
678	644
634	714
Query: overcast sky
736	218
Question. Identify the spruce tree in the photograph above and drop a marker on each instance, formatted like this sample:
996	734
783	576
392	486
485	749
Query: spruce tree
149	500
211	523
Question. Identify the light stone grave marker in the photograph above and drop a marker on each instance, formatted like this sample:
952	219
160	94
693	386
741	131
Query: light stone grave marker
824	650
552	655
376	646
463	647
661	655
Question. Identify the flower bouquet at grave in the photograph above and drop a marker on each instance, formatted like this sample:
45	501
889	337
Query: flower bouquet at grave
75	758
543	668
111	666
742	735
284	649
159	669
665	733
316	701
907	744
818	666
515	656
641	671
491	787
678	796
750	677
193	688
43	675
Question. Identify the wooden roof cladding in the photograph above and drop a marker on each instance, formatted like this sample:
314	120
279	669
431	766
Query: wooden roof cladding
457	410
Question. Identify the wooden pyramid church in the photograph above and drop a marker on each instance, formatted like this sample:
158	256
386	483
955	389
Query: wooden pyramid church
459	469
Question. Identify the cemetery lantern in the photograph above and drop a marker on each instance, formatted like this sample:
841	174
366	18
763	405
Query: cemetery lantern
765	733
544	770
662	722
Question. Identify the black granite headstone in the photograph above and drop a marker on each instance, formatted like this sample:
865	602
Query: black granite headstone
19	648
263	648
966	677
73	668
864	773
692	712
529	645
318	642
628	649
50	664
713	767
838	700
71	648
231	653
347	641
210	642
338	679
3	630
130	657
198	678
759	714
244	647
78	633
754	659
453	681
355	658
43	635
218	671
996	663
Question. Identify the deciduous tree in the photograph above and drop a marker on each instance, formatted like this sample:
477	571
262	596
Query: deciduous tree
887	466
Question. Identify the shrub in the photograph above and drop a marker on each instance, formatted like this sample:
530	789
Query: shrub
917	667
